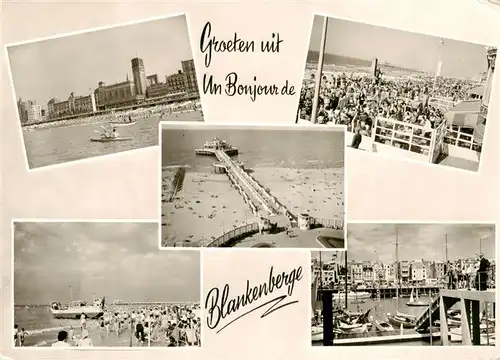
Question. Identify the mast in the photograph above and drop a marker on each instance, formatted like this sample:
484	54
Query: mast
319	71
398	271
70	294
345	264
320	272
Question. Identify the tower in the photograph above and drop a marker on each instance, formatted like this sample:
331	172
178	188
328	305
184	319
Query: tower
139	75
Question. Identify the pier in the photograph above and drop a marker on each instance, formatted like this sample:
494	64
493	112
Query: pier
469	305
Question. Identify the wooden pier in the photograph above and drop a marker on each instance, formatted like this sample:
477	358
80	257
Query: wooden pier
469	305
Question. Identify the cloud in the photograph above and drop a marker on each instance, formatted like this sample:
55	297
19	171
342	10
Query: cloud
113	259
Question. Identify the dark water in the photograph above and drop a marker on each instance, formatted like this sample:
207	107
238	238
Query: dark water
39	318
257	148
69	143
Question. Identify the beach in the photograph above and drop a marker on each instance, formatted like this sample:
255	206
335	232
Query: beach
318	192
35	321
208	205
205	208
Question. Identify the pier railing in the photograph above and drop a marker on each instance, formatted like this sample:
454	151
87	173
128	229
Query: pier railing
235	234
328	223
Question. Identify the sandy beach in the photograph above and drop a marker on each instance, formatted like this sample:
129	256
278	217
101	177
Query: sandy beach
208	205
101	119
205	208
319	192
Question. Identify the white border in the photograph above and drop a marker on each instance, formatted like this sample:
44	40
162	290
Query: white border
381	155
179	125
69	34
94	348
404	346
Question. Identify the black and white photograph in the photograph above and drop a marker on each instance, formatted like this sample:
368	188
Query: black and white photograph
102	284
103	91
406	284
252	186
405	95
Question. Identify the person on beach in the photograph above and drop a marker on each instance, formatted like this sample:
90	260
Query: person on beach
16	335
22	336
62	340
85	341
83	321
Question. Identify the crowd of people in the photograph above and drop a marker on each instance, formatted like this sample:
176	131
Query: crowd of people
356	99
163	110
160	325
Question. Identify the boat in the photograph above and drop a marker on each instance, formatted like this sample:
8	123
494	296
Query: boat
104	139
317	333
352	295
486	337
398	320
121	123
76	308
416	301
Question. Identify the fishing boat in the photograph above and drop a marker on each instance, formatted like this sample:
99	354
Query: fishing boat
397	320
121	123
76	308
415	301
105	139
381	323
351	295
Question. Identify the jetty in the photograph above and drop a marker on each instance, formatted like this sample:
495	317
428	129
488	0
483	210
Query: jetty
260	200
469	304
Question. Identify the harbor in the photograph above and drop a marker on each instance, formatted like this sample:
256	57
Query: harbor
267	219
447	305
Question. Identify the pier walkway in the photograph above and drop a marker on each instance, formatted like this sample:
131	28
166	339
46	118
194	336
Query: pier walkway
469	302
263	203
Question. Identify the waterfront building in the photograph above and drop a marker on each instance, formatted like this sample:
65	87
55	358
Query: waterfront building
33	113
356	270
190	76
418	272
22	107
157	90
405	271
152	80
74	105
176	82
367	272
139	74
440	270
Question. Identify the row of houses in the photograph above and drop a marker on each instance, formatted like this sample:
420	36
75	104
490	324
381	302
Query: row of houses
366	272
131	92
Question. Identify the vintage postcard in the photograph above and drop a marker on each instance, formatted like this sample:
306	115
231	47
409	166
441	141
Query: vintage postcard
252	186
69	291
104	91
406	95
406	284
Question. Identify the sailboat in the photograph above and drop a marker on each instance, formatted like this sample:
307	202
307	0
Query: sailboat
415	301
400	319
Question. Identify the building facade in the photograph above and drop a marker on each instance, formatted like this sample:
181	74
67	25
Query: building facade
157	90
418	272
139	74
190	76
22	108
116	95
152	80
176	83
34	113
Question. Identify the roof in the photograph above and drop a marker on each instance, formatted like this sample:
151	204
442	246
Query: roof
467	106
478	90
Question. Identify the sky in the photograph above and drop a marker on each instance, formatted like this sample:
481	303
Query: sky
401	48
118	260
76	63
372	242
